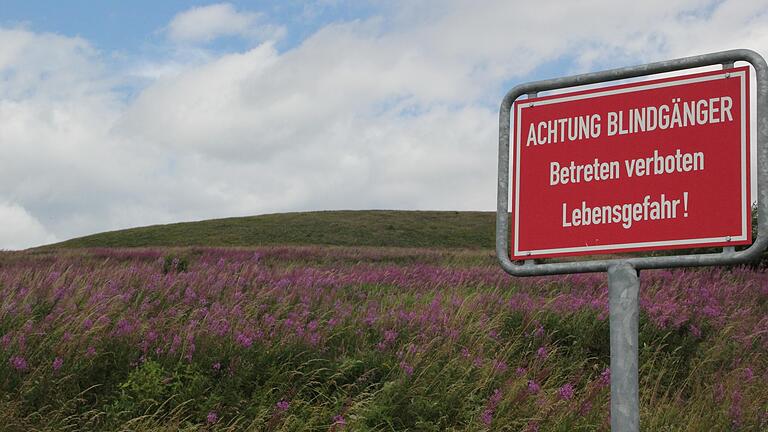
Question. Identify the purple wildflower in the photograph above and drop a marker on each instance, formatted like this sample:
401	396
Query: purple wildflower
605	378
312	326
390	336
566	392
487	417
244	340
735	409
748	374
586	407
695	331
408	369
212	417
533	387
19	363
532	427
490	408
283	405
190	352
542	353
496	398
57	363
719	392
124	327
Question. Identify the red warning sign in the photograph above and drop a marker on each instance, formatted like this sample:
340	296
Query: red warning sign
657	164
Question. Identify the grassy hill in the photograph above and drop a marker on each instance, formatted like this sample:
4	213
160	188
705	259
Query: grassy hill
447	229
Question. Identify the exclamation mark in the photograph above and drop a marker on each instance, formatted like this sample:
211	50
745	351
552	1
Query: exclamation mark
685	203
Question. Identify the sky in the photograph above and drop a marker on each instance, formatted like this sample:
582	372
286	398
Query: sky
120	114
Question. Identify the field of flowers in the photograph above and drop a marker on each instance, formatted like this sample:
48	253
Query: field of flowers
362	339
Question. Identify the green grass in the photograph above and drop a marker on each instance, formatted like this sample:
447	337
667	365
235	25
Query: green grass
430	229
387	339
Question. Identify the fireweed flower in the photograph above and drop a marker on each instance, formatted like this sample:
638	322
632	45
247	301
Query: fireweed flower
748	374
408	369
19	363
190	352
566	392
244	340
585	408
500	366
735	410
390	336
490	408
486	417
532	427
695	331
719	392
605	378
312	326
212	417
542	353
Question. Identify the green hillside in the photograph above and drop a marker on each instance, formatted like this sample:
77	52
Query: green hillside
448	229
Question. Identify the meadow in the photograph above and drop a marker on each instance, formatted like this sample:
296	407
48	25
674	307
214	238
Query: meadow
293	338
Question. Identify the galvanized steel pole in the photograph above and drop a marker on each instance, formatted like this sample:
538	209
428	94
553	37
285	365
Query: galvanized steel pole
623	306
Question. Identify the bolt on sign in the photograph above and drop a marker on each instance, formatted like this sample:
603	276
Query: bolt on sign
658	164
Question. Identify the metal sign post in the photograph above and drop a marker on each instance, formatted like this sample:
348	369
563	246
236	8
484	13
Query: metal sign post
624	313
533	242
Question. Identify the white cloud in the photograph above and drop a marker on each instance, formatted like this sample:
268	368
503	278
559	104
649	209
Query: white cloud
395	111
46	65
19	229
206	23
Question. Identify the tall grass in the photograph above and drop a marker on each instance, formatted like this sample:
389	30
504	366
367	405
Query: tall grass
331	339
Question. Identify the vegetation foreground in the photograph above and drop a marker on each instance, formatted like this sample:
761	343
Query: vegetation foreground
359	339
